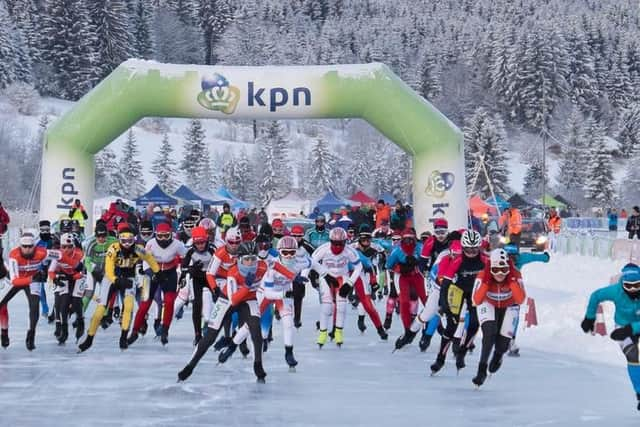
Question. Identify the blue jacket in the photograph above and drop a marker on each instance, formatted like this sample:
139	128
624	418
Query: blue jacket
398	257
524	258
627	309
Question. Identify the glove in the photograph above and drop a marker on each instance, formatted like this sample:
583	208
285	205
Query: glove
375	288
588	325
40	276
368	269
97	274
411	261
195	269
345	289
288	294
353	299
217	293
406	268
331	281
140	269
249	279
123	283
299	280
621	334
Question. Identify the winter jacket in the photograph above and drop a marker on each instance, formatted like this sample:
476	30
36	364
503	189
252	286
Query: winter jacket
633	222
383	213
4	220
627	309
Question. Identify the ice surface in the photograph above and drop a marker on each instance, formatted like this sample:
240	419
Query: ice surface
362	383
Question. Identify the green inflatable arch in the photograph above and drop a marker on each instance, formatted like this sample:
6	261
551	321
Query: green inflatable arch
138	89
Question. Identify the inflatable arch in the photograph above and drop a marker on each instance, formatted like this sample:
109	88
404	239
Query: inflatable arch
138	89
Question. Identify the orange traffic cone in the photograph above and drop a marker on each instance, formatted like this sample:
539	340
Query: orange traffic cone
600	326
531	318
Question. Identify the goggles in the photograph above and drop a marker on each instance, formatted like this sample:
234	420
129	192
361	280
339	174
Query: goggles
441	232
471	252
45	229
163	236
27	246
408	240
631	286
249	259
338	242
146	233
288	252
127	241
500	270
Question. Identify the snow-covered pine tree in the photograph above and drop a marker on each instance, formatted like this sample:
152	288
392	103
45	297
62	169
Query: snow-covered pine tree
582	81
68	47
184	9
130	168
359	167
574	162
323	174
110	20
107	173
213	18
273	163
629	129
141	30
163	167
533	179
598	184
429	76
484	138
193	152
206	176
631	183
399	167
619	82
8	49
175	41
243	176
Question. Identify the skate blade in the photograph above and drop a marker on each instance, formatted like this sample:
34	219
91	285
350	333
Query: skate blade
292	369
320	346
260	381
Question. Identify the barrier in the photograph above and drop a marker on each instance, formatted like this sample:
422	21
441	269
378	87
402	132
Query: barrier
597	244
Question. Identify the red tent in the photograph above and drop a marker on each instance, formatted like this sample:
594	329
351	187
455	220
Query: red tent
479	207
362	198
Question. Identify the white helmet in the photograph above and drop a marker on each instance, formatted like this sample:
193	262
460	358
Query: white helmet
471	239
337	234
233	236
207	223
28	238
67	240
287	243
499	258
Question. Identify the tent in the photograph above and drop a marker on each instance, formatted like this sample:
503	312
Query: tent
479	207
233	200
156	196
289	205
498	202
330	202
550	201
388	198
363	198
568	203
185	193
518	201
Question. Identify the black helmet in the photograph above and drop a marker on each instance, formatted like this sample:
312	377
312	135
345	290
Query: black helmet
247	248
65	226
364	230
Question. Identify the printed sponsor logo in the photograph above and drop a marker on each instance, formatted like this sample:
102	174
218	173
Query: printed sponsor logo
278	96
439	183
218	95
68	190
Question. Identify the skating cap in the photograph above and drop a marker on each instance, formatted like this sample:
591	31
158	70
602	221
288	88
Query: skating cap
297	230
163	227
440	223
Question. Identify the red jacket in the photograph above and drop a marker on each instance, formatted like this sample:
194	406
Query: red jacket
21	269
4	220
67	264
499	294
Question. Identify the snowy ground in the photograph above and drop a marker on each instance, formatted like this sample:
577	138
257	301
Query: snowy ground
563	378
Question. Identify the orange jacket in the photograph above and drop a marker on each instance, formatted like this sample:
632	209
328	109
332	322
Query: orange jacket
554	223
67	264
513	220
22	269
383	213
499	294
239	292
220	265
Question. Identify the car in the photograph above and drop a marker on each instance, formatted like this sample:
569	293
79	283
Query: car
534	234
305	222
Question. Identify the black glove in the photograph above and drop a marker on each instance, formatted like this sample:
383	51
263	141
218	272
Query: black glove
123	283
331	281
97	274
411	261
299	280
196	269
406	268
313	277
354	300
621	334
40	276
375	288
588	325
288	294
217	293
345	290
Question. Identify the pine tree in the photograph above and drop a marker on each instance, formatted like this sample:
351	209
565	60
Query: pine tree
213	17
322	168
619	86
110	20
429	76
141	30
484	141
629	130
400	169
163	167
131	168
8	49
194	150
583	84
243	177
274	163
598	184
26	16
68	47
533	179
631	183
107	173
574	161
206	175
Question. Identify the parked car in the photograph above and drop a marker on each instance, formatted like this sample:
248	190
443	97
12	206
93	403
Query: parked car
305	222
534	234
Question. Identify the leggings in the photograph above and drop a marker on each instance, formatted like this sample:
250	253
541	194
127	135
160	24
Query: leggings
167	281
366	302
33	300
497	329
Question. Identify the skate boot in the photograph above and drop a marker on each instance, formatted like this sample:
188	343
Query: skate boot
339	338
265	345
132	338
322	338
405	339
124	342
495	363
86	344
438	364
156	327
387	321
185	373
425	341
297	323
481	376
58	330
222	343
383	334
197	339
259	371
31	340
51	318
462	352
244	349
4	338
227	352
288	356
79	328
116	312
361	326
64	334
317	325
164	336
144	327
471	347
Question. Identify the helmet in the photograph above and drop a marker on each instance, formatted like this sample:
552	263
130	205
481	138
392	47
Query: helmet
65	225
101	230
440	223
247	249
164	234
337	234
146	230
233	236
499	261
199	235
187	225
207	223
28	238
470	239
263	242
287	243
67	240
247	258
424	235
631	282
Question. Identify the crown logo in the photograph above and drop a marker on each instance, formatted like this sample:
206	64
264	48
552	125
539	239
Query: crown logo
218	95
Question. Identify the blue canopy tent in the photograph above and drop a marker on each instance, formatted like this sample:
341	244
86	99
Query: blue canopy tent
233	200
388	198
157	197
330	202
499	202
186	193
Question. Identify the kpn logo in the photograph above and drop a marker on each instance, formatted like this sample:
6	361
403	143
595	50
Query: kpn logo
218	95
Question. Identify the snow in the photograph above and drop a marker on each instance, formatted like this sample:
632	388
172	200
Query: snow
563	378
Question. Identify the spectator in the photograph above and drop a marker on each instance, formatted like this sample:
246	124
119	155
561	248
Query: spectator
623	213
226	220
253	217
475	223
633	223
4	220
263	218
511	224
158	217
613	219
383	213
343	221
398	217
78	213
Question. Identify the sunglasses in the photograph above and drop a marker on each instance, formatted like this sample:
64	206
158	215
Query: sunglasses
471	251
127	242
28	246
45	229
440	232
288	252
249	259
146	233
408	240
163	236
338	242
631	286
500	270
